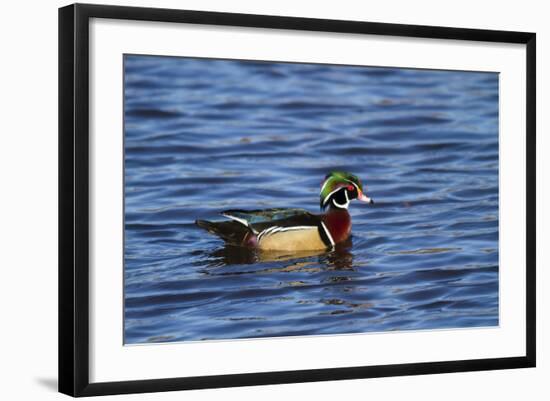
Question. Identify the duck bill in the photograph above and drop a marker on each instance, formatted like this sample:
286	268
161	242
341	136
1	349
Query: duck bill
364	198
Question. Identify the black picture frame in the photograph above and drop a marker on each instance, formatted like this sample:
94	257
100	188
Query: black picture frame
74	198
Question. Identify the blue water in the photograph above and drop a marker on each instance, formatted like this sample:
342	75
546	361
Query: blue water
202	136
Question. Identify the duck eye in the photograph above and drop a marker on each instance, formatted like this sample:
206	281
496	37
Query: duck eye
351	188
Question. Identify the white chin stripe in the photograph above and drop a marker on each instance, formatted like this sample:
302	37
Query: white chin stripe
344	206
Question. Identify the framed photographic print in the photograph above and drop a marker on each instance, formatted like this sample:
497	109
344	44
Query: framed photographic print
250	199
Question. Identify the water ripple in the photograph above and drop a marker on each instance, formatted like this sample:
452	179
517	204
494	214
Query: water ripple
206	135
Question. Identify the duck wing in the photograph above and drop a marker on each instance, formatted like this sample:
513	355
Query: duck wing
251	218
267	222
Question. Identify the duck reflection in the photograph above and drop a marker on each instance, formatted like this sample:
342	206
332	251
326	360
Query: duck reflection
341	257
330	270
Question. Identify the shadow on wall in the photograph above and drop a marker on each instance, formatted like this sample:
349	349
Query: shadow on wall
49	383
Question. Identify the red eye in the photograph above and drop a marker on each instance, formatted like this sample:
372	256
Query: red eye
351	188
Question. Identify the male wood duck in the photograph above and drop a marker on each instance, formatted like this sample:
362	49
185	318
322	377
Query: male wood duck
295	229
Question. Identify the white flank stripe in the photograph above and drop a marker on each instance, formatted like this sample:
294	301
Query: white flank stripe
266	232
282	229
327	232
276	229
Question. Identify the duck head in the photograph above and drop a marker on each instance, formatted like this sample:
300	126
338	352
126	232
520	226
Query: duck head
339	189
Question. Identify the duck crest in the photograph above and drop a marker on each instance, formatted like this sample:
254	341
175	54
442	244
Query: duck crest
338	222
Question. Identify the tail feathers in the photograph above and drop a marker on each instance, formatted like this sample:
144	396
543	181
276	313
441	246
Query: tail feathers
230	231
207	225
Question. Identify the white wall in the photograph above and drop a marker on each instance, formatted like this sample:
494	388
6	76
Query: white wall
28	212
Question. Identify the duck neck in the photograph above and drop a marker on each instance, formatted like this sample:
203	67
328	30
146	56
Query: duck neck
338	222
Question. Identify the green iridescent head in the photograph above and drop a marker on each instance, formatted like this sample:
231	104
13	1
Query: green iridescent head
339	188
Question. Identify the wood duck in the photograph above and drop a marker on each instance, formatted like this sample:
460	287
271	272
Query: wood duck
295	229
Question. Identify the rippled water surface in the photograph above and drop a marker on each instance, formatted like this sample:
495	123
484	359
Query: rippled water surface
202	136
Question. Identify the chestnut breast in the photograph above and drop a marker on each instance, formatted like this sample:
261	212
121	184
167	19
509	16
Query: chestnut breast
338	223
